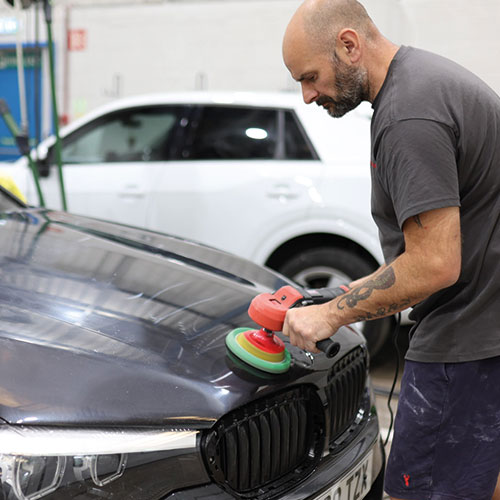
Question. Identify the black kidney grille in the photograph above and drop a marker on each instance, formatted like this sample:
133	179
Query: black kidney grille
267	443
346	384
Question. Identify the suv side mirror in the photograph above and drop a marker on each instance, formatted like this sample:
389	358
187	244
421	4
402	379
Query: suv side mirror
42	160
43	167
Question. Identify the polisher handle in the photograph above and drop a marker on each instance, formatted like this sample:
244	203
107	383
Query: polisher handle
329	347
320	296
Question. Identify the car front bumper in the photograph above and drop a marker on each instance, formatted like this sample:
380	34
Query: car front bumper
331	469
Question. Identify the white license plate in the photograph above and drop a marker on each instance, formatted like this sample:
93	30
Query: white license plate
354	485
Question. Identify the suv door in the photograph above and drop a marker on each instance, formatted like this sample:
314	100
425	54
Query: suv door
109	163
238	179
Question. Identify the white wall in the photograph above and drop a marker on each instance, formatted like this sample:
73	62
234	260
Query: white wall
466	31
179	46
136	46
217	44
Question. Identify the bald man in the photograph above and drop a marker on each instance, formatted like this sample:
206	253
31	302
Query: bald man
435	168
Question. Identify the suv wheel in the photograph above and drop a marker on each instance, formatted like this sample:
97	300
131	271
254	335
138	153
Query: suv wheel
331	267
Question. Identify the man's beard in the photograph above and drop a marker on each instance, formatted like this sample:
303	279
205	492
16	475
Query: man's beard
351	84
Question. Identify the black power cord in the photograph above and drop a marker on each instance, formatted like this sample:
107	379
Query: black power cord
396	373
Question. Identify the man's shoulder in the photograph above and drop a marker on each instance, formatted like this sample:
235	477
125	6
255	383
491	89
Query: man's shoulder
422	85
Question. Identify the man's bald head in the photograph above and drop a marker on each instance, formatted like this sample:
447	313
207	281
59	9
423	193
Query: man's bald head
333	49
322	20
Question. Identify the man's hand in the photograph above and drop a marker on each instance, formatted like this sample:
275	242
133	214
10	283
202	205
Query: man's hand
306	325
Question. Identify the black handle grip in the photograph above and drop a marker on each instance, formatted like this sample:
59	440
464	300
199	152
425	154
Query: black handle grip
329	347
322	295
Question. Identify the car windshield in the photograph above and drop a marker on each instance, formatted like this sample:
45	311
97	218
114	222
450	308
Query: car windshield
9	203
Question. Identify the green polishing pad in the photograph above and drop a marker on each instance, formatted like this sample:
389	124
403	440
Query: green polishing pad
251	359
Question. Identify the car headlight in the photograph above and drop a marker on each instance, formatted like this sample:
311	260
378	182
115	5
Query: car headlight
50	463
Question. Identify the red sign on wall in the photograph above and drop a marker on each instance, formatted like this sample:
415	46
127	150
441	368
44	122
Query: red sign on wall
77	39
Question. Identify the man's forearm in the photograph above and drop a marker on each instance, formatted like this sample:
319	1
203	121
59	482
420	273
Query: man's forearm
375	296
391	289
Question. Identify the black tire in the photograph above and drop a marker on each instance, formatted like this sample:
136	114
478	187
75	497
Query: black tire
333	266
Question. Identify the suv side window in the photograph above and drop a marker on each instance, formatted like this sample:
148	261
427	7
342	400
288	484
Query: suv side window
137	134
297	147
233	133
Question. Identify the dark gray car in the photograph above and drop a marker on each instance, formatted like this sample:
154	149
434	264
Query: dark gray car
115	381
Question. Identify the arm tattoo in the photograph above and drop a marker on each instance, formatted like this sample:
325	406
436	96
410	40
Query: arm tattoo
384	311
384	280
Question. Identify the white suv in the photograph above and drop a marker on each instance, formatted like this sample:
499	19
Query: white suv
260	175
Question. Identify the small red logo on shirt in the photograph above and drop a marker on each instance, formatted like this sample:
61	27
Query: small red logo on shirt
406	477
373	164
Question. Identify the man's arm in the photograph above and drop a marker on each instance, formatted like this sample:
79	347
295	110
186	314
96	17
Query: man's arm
358	282
431	261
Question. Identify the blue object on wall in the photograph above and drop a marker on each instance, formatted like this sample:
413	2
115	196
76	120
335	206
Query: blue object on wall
9	90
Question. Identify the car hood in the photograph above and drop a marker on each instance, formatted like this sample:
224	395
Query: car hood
104	324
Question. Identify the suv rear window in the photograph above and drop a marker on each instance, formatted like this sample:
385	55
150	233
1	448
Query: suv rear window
233	133
296	145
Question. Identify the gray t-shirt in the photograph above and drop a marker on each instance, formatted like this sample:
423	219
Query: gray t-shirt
436	143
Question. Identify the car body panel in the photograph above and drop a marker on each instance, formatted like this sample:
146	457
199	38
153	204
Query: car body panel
240	201
115	378
105	190
135	321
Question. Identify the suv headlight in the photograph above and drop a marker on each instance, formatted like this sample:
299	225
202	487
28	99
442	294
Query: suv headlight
42	462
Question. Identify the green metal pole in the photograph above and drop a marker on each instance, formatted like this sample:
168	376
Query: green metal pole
23	144
48	20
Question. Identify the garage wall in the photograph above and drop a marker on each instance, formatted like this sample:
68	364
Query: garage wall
463	30
179	46
185	45
133	46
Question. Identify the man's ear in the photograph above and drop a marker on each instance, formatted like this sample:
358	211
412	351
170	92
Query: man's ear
349	45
